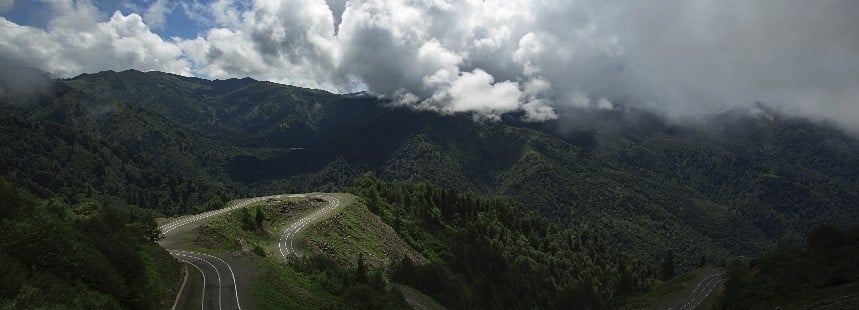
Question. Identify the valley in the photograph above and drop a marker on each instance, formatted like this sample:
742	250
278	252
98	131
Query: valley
403	154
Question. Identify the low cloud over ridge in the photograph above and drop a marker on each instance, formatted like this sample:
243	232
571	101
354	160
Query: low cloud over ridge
680	58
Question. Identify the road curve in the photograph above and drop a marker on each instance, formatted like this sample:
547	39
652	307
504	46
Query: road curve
203	297
701	291
220	290
286	241
166	228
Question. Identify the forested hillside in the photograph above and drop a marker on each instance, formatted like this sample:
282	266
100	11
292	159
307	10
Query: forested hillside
492	253
81	148
734	184
84	256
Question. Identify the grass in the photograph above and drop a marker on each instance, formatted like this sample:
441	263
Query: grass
163	277
278	286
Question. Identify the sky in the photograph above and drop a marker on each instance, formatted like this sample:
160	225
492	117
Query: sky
538	58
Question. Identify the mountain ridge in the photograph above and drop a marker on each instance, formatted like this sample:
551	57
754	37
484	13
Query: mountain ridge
758	183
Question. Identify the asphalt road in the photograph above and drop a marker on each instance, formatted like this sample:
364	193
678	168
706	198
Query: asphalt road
219	287
220	290
286	242
701	291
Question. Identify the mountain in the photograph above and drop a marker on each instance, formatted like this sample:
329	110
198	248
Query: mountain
734	184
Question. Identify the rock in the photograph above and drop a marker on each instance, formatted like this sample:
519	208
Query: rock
244	245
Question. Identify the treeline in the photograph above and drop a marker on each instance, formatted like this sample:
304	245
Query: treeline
54	255
355	288
490	253
831	260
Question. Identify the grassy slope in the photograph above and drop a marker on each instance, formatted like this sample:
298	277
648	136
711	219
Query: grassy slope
357	230
163	276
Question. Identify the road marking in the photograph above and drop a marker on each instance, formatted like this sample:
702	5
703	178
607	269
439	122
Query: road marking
287	237
220	303
202	298
168	227
235	285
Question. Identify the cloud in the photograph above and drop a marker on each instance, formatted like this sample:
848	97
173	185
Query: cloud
19	82
289	42
226	12
196	11
156	14
544	59
475	92
707	55
75	43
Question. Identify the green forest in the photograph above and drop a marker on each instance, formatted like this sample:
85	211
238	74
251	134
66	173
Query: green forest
492	253
511	214
84	256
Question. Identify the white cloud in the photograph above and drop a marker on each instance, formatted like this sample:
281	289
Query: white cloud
478	92
197	12
156	14
75	43
679	57
282	41
225	12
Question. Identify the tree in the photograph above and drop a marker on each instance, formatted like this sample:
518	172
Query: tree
215	203
625	283
260	217
151	230
668	266
361	270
